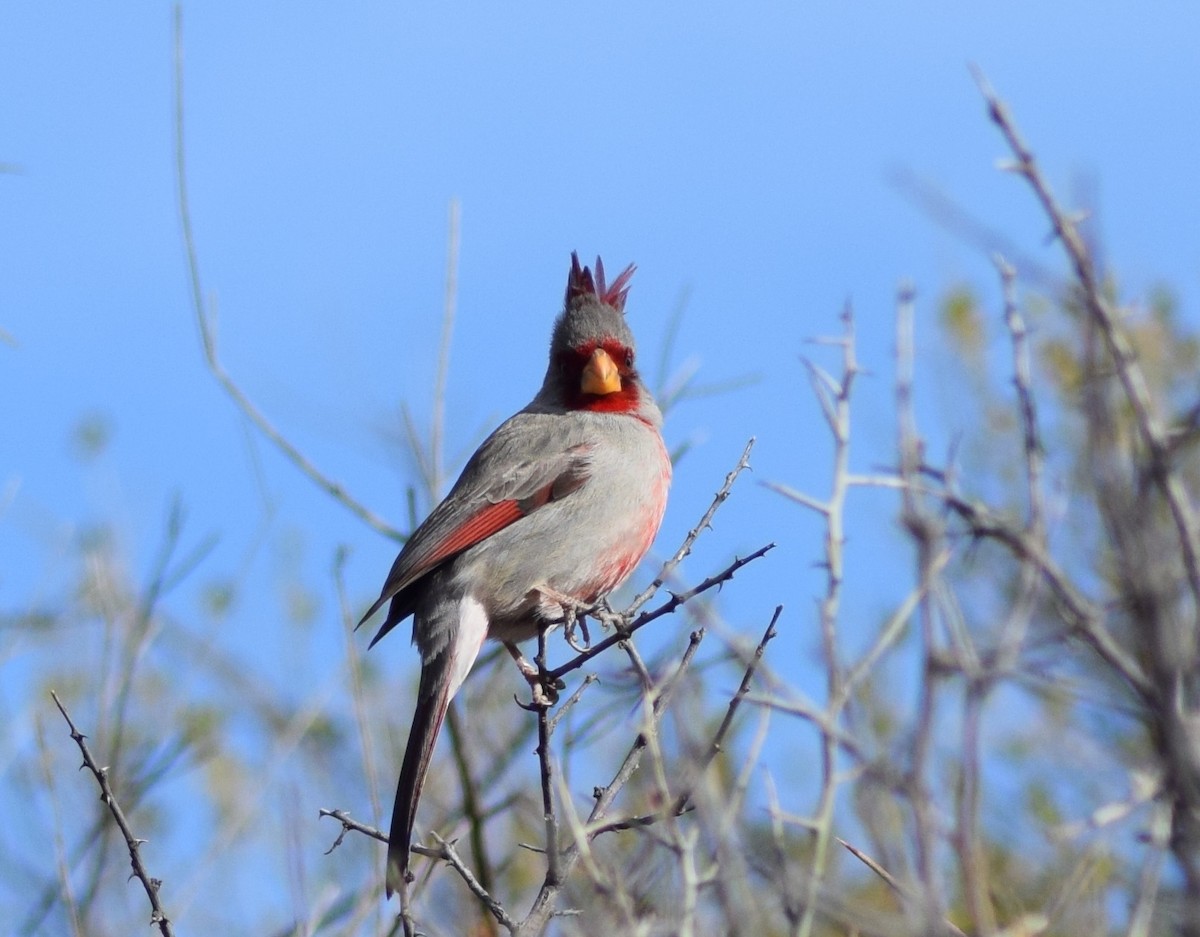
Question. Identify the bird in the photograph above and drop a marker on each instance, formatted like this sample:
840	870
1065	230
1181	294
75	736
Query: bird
553	511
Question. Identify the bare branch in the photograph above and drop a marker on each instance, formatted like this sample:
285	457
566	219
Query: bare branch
743	690
158	917
890	879
926	532
572	700
444	851
1013	632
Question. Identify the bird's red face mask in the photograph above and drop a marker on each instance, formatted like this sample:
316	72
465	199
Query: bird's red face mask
606	380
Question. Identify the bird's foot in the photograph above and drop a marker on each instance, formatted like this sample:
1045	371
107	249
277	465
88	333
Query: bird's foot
603	613
544	695
574	616
544	690
576	613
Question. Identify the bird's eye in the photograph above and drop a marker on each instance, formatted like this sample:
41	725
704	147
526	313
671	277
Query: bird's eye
629	357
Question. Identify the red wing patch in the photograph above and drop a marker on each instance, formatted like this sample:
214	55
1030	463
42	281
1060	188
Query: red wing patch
488	521
495	517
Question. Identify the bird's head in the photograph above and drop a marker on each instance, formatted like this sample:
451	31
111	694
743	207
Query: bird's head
593	362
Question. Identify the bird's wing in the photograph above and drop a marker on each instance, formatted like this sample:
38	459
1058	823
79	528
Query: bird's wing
499	486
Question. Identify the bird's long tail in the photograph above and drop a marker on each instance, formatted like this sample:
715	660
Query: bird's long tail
433	698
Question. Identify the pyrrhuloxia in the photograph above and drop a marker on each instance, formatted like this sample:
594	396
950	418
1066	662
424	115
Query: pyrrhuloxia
553	511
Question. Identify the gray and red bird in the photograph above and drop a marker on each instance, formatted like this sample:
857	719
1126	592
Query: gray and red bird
553	511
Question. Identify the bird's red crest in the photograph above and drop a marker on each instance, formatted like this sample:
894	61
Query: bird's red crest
580	284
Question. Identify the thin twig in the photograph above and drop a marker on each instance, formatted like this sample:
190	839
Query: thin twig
357	695
572	700
62	866
158	917
972	853
890	880
349	823
447	853
718	739
359	703
1012	634
137	634
873	866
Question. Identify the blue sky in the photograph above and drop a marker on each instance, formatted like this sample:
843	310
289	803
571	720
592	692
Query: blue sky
743	155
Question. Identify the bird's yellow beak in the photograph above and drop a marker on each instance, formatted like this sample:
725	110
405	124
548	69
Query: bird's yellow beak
600	375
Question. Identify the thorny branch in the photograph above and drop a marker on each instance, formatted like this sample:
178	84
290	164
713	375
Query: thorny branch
158	917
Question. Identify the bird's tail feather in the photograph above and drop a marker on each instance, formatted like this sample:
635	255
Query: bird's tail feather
433	698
